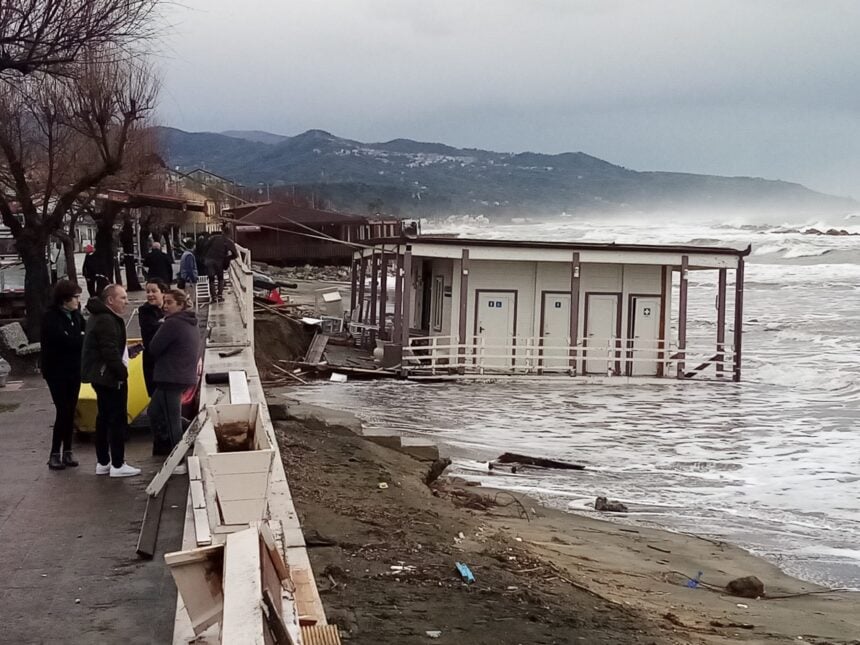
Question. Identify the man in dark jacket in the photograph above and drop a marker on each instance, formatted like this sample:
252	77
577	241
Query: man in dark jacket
158	265
218	255
104	363
176	350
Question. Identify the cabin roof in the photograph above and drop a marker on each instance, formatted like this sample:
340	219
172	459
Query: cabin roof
283	215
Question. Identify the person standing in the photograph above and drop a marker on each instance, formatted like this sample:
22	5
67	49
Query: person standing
188	275
158	265
150	315
90	270
176	350
62	339
104	363
218	255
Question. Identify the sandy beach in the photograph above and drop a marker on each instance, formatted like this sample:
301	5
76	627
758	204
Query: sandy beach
552	577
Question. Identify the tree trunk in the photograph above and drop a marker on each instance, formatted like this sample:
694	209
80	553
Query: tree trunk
69	251
37	280
126	238
105	249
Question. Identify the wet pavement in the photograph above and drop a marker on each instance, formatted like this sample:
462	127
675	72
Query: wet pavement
68	568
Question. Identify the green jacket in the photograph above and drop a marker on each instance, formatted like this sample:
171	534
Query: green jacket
104	346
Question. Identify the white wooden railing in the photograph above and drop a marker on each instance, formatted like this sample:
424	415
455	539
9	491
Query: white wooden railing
538	355
242	279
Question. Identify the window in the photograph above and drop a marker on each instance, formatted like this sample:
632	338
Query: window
438	293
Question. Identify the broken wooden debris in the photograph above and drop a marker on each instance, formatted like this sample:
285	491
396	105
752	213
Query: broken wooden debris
148	537
176	455
514	458
609	506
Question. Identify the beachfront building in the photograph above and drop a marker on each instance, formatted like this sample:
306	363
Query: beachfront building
469	306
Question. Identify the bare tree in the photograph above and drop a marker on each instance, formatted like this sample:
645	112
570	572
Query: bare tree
52	35
61	139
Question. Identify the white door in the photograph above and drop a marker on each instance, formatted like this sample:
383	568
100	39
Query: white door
645	336
495	328
556	331
601	329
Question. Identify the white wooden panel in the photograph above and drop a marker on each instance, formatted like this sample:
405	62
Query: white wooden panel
198	499
239	387
202	533
243	617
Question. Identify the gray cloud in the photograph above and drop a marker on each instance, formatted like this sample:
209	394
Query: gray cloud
755	87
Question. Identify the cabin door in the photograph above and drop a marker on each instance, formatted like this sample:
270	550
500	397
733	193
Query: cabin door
555	331
644	335
495	324
601	332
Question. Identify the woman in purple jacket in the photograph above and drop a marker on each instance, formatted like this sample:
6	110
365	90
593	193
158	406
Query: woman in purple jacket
176	350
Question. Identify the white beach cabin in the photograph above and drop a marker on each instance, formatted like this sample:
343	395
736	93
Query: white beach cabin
472	306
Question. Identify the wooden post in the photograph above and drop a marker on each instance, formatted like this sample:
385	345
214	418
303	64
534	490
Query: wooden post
374	285
353	285
383	293
398	298
721	320
739	317
682	316
362	278
575	280
406	314
464	303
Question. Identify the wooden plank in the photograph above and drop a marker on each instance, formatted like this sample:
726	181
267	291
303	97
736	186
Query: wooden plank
316	348
243	615
320	635
198	498
176	455
203	534
274	621
194	471
198	577
239	387
274	553
149	527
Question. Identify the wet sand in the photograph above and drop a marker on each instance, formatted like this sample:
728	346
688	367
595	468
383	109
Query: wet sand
552	578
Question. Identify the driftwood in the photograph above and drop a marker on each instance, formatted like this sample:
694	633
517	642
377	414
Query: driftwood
513	458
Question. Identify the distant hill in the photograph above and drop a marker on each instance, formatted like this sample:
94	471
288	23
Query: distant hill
416	178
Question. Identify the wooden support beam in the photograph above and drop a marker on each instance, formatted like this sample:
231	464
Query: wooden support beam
398	298
353	285
739	318
383	293
362	279
682	315
464	306
575	281
148	537
374	286
665	276
406	314
721	320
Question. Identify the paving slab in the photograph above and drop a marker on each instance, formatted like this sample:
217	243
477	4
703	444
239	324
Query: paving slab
68	568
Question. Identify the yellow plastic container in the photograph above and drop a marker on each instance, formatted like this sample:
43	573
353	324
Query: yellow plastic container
138	399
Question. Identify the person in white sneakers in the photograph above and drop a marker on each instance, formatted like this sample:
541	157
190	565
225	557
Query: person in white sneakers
104	363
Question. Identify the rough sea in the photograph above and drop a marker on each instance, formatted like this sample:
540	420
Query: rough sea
771	464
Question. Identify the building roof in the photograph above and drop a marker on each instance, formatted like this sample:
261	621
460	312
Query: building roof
574	246
283	215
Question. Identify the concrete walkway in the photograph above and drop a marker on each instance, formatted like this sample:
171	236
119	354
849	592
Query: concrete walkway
68	568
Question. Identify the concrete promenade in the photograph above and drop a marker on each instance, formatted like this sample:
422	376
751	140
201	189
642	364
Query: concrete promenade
68	568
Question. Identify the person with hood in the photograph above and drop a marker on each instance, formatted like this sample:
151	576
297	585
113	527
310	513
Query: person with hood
62	340
158	265
150	315
176	350
220	251
104	363
188	271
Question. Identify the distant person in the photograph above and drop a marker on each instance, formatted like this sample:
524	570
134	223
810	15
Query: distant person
158	264
91	270
218	256
62	341
150	315
188	275
176	350
104	363
200	248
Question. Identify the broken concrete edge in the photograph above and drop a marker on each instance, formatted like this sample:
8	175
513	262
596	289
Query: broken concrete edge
285	408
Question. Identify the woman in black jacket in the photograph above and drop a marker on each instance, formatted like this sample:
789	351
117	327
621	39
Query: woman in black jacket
176	349
62	339
151	314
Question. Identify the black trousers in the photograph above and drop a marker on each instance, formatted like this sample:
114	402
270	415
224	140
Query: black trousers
215	271
148	372
165	415
111	424
64	392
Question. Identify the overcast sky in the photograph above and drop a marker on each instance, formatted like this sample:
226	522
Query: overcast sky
766	88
